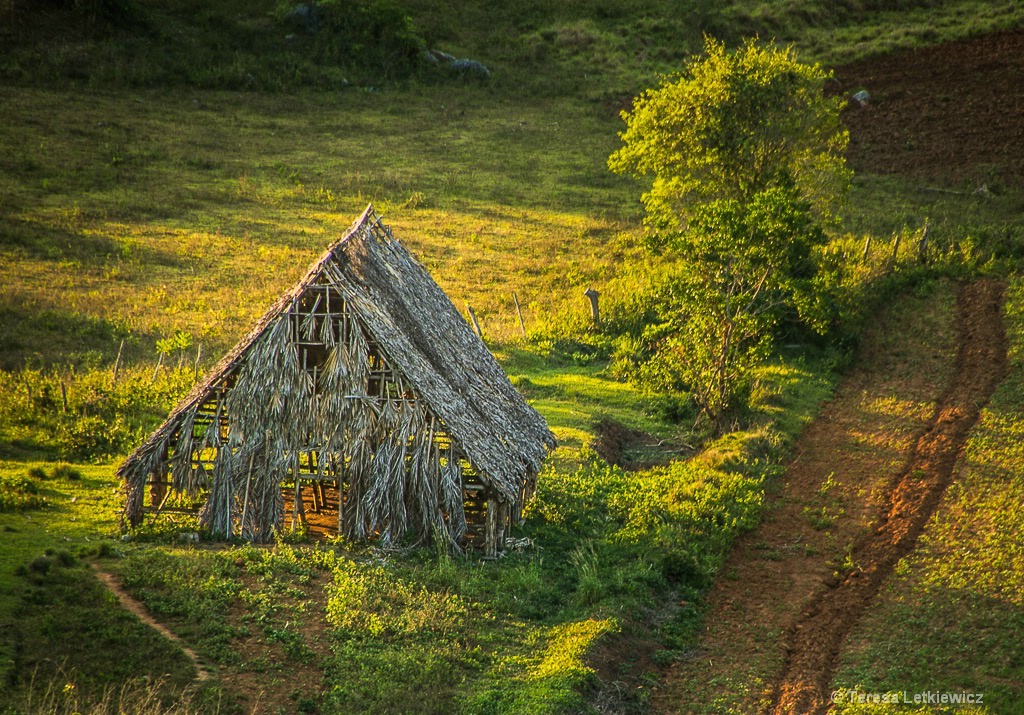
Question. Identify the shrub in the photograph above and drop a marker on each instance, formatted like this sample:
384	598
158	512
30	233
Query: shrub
65	471
20	493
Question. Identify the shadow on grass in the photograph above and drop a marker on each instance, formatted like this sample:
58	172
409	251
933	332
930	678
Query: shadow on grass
45	241
33	334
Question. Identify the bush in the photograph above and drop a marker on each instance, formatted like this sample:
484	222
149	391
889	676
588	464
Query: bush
101	419
64	471
19	494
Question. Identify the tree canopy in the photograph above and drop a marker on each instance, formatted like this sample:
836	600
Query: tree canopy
730	125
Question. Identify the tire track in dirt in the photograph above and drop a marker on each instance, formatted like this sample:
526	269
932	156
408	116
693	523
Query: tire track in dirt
815	640
203	673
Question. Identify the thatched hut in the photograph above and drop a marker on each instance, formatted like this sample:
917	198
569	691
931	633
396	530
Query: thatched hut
365	377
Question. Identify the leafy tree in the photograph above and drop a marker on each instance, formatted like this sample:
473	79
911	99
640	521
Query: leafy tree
747	266
731	125
747	158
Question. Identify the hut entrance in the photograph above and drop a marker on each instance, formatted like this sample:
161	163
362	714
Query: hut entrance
317	508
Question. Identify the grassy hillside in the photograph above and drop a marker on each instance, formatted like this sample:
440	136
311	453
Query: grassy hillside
168	168
595	49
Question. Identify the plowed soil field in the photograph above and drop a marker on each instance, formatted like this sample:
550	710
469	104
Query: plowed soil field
953	112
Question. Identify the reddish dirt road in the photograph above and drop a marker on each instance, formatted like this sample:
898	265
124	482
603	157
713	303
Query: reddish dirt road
866	478
814	641
859	440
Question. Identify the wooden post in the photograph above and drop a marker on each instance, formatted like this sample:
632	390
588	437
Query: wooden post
117	362
491	530
922	247
319	499
502	518
157	491
298	511
199	354
495	525
594	310
64	395
519	313
159	364
476	324
867	247
895	251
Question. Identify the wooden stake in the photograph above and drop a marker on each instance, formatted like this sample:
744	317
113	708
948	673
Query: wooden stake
64	395
199	354
867	247
476	325
491	530
594	310
117	362
895	250
298	512
159	364
519	313
922	247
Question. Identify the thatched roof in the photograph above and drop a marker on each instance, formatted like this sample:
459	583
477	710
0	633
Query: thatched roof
423	335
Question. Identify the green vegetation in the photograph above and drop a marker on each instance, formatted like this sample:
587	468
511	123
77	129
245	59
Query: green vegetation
732	126
514	633
83	416
62	597
748	159
168	168
596	49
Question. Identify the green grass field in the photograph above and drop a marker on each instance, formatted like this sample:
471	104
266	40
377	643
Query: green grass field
168	169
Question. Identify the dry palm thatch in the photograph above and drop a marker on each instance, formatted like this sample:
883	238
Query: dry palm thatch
363	373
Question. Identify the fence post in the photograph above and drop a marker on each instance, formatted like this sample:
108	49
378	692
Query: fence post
595	312
519	312
117	362
895	251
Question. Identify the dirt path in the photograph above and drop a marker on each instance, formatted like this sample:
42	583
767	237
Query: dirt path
924	369
203	673
815	640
